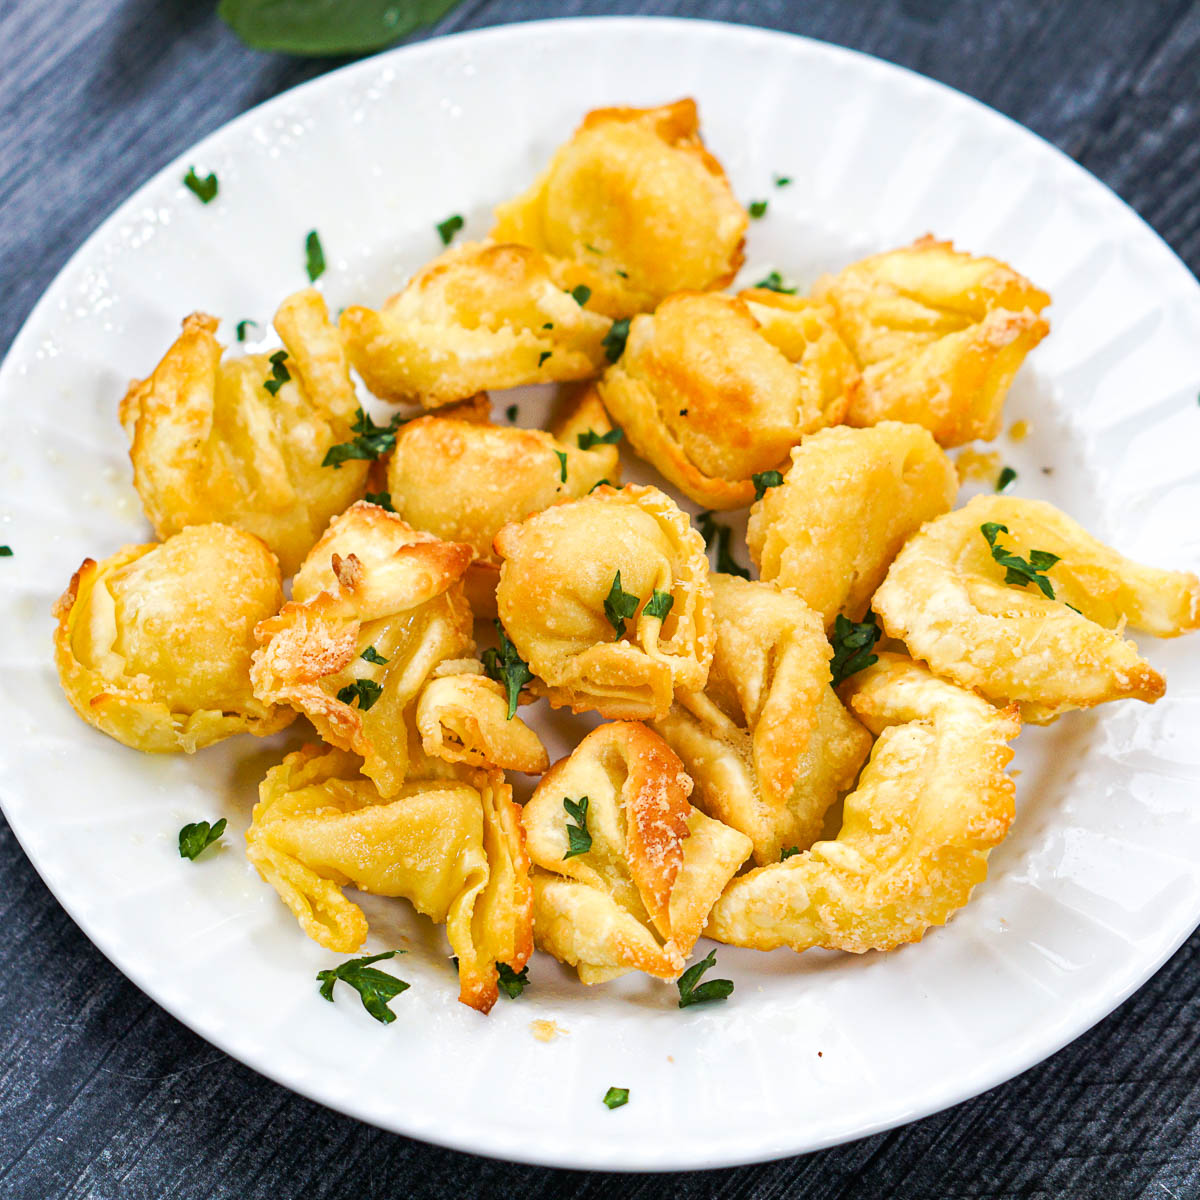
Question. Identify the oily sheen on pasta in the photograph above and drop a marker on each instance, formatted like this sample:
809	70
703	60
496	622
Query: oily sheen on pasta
225	439
713	389
638	897
153	644
377	606
939	335
451	844
851	499
933	801
767	743
638	203
947	598
560	571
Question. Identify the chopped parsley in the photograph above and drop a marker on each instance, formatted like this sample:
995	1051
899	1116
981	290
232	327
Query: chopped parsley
590	438
194	839
714	989
1016	569
773	282
763	480
545	354
242	326
279	372
788	852
579	841
367	691
373	441
6	552
512	983
623	274
757	209
205	190
782	180
581	294
314	256
615	1097
619	605
548	325
375	988
615	339
449	227
371	655
852	644
599	483
511	413
1006	479
588	246
507	668
710	531
659	605
561	455
381	499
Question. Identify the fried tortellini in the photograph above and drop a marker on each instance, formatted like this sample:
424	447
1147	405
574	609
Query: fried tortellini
850	500
451	844
570	572
767	743
480	316
713	389
947	597
637	897
153	644
933	801
939	335
376	607
242	440
638	203
465	479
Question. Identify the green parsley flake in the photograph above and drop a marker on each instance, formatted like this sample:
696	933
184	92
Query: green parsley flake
782	180
592	249
205	190
599	483
788	852
511	413
590	438
561	455
714	989
615	1097
371	655
579	841
512	983
545	354
659	605
581	294
279	372
773	282
380	499
763	480
366	691
757	209
314	256
6	552
242	326
852	642
375	988
196	838
615	339
1006	479
373	441
1018	570
712	530
507	668
449	227
619	605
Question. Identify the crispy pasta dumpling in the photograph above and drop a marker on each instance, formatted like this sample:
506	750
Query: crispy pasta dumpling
571	571
638	203
153	644
242	440
376	607
713	389
479	317
933	801
851	499
465	479
767	743
939	335
451	845
947	597
637	897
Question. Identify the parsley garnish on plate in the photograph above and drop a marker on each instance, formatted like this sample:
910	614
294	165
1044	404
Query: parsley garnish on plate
204	189
242	326
279	372
373	441
366	691
6	552
615	1097
449	227
512	983
579	841
773	282
1017	569
712	530
507	668
782	180
194	839
314	256
381	499
1006	479
371	655
714	989
763	480
659	604
561	455
615	338
852	642
590	438
619	605
757	209
581	294
374	987
788	852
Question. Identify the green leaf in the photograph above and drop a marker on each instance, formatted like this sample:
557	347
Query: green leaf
757	209
511	413
615	1097
788	852
314	256
659	604
545	354
615	339
782	180
279	372
581	294
6	552
366	691
512	983
579	841
714	989
371	655
449	227
328	27
763	480
373	441
195	839
599	483
713	531
773	282
561	455
508	668
242	326
852	643
590	438
1006	479
1018	570
619	605
375	988
205	190
381	499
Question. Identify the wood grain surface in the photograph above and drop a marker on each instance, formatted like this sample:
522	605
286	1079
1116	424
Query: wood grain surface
105	1096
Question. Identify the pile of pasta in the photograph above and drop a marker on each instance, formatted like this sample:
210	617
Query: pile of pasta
739	787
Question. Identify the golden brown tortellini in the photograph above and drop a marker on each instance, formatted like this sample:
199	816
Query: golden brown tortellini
479	317
713	389
376	607
850	500
242	440
939	335
931	804
947	597
153	644
767	743
639	204
570	572
638	896
451	845
465	479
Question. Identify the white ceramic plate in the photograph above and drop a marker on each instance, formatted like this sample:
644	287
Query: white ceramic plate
1098	882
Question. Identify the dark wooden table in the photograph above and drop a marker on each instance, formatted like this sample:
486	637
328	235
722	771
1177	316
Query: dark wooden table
102	1094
